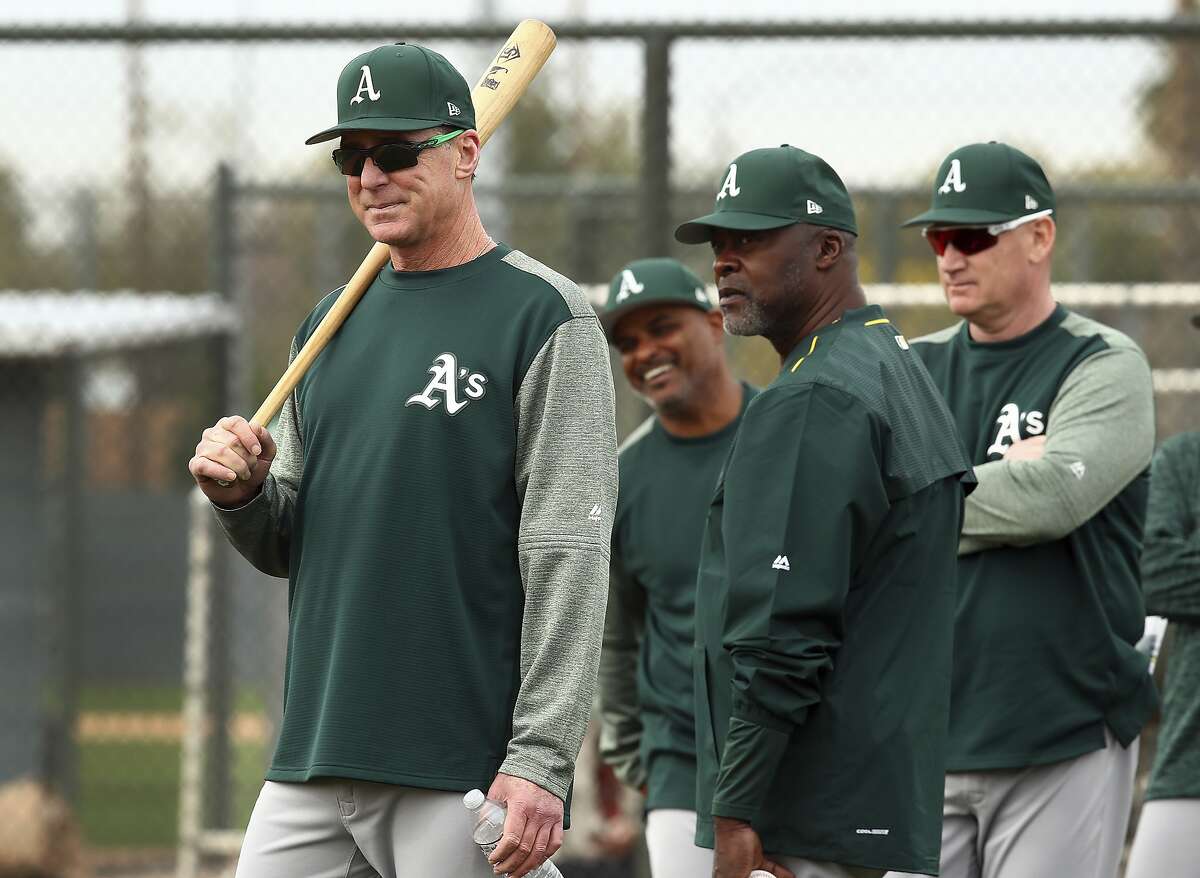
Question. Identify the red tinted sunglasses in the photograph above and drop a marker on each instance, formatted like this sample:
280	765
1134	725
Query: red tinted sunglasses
965	241
969	240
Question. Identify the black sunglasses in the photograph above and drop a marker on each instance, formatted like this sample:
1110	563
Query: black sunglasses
388	157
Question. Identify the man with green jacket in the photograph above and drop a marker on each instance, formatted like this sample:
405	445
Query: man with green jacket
1167	842
1057	413
671	344
825	598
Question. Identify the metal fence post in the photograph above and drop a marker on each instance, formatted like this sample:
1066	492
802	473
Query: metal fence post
656	147
195	685
228	359
62	756
888	246
87	246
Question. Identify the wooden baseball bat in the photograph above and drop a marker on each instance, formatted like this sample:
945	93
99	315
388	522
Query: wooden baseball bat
507	77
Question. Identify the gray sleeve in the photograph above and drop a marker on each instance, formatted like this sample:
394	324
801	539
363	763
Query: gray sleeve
261	530
620	714
566	475
1099	437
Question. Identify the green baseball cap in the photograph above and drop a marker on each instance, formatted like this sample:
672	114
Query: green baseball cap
401	87
651	282
986	183
772	188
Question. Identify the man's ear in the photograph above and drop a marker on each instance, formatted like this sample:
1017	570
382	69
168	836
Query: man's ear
466	154
830	248
1043	233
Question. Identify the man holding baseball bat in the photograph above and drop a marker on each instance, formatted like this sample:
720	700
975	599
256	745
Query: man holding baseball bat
439	492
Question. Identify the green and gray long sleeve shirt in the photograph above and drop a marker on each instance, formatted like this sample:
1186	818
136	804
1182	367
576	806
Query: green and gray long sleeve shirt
441	504
1171	578
1049	598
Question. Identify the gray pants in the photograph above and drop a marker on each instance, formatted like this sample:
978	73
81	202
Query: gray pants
671	842
812	869
1168	840
355	829
670	838
1048	821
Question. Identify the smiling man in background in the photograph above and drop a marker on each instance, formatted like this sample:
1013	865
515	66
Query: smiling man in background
660	320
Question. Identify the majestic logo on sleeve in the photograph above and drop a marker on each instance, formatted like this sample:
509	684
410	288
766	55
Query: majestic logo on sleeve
365	85
730	186
629	286
953	179
1009	427
446	377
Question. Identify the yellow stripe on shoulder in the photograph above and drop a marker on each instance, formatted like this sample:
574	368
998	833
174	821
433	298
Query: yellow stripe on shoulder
812	347
877	321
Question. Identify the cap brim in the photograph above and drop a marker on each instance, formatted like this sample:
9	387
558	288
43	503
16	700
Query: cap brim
959	216
699	230
611	317
377	125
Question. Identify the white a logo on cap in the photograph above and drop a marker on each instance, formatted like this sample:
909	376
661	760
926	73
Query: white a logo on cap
953	179
365	85
730	186
1030	202
813	207
453	109
629	286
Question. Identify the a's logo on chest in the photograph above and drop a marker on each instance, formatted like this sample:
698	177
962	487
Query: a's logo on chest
1009	427
444	386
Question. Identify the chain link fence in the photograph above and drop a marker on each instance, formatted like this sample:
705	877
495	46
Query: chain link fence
174	162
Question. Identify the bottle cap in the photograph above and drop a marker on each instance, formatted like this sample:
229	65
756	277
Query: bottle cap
474	800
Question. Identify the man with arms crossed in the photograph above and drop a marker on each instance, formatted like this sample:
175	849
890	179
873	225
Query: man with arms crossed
672	348
1057	413
825	597
439	493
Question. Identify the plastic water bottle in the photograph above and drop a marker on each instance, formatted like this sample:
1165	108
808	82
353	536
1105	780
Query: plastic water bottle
489	826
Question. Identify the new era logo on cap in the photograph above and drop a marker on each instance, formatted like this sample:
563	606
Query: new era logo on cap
813	207
452	109
1030	202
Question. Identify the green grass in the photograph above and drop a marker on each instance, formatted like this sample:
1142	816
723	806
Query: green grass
129	793
129	790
